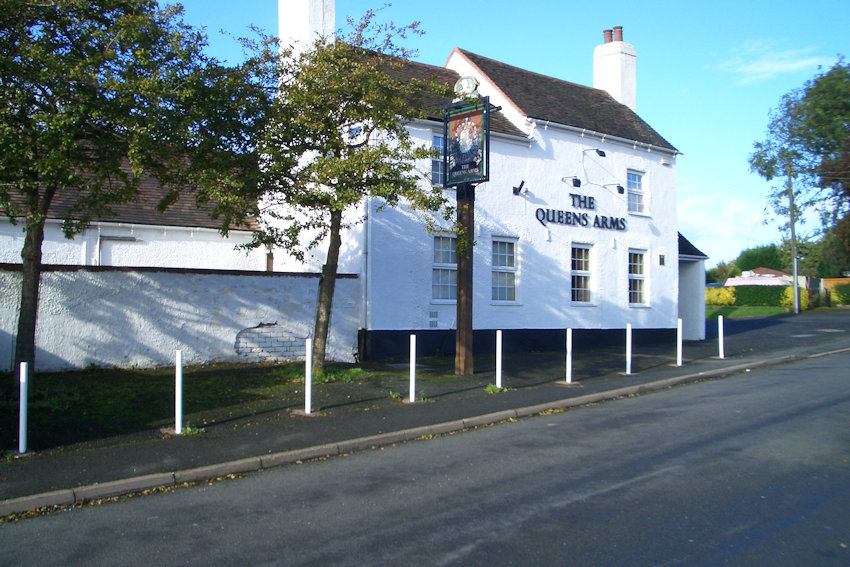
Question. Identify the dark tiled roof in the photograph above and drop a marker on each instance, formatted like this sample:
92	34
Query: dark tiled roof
411	69
184	213
547	98
688	249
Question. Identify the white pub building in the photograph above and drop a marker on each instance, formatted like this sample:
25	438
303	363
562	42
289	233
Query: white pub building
576	227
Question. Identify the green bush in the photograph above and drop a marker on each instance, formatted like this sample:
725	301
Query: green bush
788	298
754	296
759	295
720	296
840	294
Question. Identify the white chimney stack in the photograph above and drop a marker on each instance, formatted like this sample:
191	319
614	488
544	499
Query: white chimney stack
301	22
615	67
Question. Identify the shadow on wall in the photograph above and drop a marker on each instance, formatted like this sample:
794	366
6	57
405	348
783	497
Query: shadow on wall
122	317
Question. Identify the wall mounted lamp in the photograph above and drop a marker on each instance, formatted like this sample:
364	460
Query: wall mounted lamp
600	153
575	180
518	190
620	188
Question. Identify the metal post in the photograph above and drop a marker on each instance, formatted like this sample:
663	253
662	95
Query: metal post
308	377
22	425
178	392
569	356
412	368
498	359
679	342
628	348
720	336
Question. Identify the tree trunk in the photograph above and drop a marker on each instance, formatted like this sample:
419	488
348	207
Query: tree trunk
327	284
31	268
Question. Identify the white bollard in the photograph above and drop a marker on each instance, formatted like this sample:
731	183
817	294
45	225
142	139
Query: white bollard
720	336
412	368
178	392
308	377
569	356
498	359
628	348
22	424
679	342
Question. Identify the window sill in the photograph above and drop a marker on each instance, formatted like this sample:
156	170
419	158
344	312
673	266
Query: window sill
443	302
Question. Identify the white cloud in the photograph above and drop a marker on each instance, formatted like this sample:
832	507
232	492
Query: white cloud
758	60
722	225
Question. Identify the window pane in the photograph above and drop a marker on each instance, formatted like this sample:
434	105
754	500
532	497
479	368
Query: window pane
438	174
445	250
503	254
504	286
635	291
444	284
581	259
635	263
634	181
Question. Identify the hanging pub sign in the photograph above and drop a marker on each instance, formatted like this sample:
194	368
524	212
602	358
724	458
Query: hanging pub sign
466	129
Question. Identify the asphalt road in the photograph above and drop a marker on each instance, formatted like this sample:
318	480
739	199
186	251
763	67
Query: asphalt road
749	470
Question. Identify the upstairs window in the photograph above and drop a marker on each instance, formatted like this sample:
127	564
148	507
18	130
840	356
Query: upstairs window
438	172
634	181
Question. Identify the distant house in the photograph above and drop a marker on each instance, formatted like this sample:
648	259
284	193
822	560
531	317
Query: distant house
184	236
760	276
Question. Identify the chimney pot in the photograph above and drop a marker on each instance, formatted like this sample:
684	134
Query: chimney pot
618	33
607	34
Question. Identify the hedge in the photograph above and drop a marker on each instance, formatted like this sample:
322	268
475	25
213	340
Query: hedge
839	294
752	295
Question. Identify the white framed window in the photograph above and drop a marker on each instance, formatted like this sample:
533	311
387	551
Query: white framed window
580	273
637	277
444	271
504	268
438	172
634	182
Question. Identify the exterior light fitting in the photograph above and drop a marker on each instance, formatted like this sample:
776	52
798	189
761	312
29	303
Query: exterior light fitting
575	180
600	153
518	190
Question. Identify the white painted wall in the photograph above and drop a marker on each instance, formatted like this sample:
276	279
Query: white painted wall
692	298
120	244
139	318
401	252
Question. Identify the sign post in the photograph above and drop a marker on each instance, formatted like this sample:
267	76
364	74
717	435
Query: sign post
466	130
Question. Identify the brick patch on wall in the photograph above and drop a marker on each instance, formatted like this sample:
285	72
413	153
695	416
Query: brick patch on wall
269	342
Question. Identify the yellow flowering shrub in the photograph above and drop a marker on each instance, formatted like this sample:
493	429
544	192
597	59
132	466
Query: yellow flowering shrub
788	298
720	296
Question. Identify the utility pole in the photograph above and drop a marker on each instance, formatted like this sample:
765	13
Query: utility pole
790	186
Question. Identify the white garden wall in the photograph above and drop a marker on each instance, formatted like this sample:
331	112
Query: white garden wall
109	317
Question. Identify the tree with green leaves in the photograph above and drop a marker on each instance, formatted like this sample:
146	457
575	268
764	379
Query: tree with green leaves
96	93
808	145
760	257
337	135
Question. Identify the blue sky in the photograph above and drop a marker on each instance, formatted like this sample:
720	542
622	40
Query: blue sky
708	73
